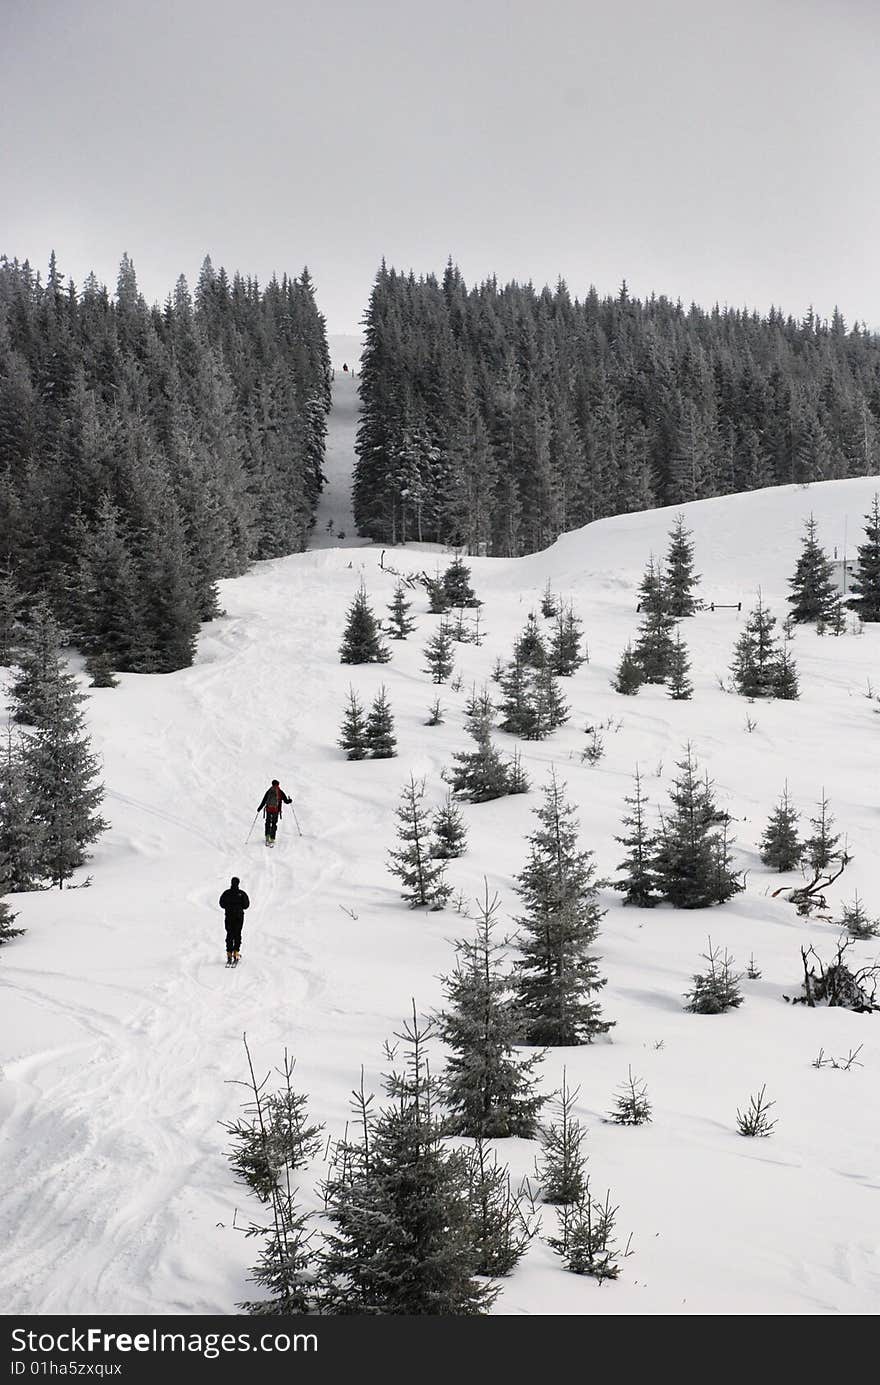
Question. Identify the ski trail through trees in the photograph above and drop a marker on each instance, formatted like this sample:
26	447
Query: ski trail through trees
334	521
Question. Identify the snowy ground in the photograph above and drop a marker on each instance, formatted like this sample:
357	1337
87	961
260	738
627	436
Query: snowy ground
121	1030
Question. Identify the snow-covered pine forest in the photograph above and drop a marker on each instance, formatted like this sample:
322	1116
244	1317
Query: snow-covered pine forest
122	1031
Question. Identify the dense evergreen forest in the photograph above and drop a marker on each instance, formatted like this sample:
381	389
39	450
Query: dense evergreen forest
496	418
146	451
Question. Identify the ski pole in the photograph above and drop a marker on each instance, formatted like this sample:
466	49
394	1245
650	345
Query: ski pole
253	825
296	820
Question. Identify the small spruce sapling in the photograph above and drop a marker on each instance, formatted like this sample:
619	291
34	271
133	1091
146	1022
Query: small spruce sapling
781	847
423	879
450	833
716	990
438	656
561	1170
353	736
586	1241
858	923
631	1104
755	1120
629	677
400	623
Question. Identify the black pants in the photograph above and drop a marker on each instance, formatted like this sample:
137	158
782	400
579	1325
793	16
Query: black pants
271	826
233	936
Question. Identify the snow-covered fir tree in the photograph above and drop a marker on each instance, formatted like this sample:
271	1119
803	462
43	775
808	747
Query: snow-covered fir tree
680	578
813	589
517	779
561	1169
438	601
400	623
759	667
403	1240
22	834
529	647
457	585
488	1090
353	735
516	707
450	833
781	846
423	878
565	653
652	590
480	774
61	778
362	642
549	707
558	976
380	741
39	667
10	615
629	676
864	596
678	681
639	883
439	658
692	860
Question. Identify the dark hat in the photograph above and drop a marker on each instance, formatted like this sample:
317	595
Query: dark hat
235	879
275	782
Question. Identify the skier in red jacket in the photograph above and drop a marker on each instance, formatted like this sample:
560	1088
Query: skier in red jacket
271	807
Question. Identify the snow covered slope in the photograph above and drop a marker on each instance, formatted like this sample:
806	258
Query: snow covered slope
121	1030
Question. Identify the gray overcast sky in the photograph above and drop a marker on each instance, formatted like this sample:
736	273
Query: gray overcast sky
714	150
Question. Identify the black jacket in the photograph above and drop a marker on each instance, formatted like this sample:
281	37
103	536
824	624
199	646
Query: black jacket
233	902
272	800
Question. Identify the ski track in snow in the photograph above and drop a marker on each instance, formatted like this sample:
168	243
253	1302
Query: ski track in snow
122	1031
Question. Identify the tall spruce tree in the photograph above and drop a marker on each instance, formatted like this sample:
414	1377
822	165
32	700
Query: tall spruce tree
22	834
781	847
403	1238
488	1091
639	884
813	590
529	647
692	861
558	976
39	667
361	642
680	576
10	614
865	584
423	878
61	774
517	703
379	735
549	706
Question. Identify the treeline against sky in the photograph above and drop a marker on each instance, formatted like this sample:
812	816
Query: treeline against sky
146	452
497	418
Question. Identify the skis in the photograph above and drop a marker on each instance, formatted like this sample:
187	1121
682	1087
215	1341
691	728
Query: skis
230	966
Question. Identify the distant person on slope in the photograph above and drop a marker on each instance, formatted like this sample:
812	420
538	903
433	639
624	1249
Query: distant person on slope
271	807
233	902
345	366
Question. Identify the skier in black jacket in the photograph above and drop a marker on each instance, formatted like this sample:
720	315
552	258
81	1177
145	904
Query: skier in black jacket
270	806
233	902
